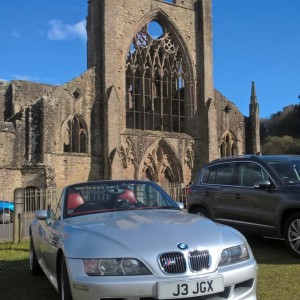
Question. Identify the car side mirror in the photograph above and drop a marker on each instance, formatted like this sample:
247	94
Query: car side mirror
180	205
43	215
262	184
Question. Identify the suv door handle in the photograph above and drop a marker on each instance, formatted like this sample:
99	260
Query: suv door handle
207	193
237	196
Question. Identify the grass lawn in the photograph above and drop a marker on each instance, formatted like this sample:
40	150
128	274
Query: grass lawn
16	281
278	273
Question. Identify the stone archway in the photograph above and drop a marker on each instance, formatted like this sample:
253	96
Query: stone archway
160	164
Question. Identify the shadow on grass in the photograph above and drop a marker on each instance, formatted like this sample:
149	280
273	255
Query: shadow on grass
17	282
270	251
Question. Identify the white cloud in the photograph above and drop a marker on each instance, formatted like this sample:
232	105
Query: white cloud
61	31
25	77
14	33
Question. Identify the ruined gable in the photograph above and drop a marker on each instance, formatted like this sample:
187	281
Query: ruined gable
146	107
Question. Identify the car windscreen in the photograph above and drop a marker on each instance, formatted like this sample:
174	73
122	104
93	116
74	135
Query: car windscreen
114	196
288	171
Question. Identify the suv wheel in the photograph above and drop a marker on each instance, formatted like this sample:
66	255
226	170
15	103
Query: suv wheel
292	234
201	211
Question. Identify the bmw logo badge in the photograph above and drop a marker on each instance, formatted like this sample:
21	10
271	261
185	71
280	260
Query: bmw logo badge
182	246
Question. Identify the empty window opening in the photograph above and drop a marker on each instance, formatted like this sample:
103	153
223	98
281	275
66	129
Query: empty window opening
228	145
75	136
76	94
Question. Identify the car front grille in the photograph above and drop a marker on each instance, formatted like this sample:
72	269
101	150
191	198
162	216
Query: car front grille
198	260
175	263
172	263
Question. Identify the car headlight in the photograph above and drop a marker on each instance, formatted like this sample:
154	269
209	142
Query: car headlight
234	255
114	267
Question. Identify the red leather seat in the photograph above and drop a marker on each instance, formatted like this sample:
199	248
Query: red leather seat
128	195
74	200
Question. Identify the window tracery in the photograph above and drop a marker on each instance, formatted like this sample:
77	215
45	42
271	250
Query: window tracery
161	165
75	136
127	153
155	82
190	155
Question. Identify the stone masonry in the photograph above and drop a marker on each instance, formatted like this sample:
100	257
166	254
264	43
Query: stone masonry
146	107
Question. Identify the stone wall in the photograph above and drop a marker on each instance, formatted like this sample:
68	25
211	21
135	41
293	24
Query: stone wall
10	179
4	91
34	117
7	141
111	27
55	104
230	119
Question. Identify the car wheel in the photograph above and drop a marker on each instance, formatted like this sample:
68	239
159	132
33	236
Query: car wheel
65	290
201	211
34	265
292	234
6	216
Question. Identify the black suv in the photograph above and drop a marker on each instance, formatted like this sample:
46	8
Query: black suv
258	194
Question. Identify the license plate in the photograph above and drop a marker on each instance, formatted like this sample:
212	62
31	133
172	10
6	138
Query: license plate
193	288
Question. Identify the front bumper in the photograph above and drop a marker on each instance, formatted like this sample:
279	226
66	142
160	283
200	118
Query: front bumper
239	281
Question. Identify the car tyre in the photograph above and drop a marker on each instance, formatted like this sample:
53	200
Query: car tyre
201	211
65	290
34	265
6	216
292	234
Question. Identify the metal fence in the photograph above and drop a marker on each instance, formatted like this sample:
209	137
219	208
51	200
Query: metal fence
177	191
27	201
6	230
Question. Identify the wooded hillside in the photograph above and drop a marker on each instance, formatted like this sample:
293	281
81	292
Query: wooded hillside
280	134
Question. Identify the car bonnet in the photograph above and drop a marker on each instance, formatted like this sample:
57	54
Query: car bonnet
143	234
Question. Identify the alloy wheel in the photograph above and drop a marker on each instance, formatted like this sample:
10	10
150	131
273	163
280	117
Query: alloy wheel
294	235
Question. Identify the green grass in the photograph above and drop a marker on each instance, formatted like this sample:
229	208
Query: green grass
16	281
278	273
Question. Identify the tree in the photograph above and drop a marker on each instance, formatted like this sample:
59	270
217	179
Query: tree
281	145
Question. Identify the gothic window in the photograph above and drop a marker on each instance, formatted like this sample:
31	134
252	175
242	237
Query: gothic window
155	81
228	145
75	136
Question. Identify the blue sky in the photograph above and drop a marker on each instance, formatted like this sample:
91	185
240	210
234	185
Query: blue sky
253	40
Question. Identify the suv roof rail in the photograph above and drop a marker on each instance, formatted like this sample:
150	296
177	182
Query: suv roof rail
237	156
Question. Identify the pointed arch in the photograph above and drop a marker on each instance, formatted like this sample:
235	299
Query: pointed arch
75	135
127	153
158	77
161	164
228	144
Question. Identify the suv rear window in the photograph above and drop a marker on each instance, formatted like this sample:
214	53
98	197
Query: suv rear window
219	174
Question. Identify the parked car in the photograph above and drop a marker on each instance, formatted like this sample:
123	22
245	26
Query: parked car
129	239
6	211
258	194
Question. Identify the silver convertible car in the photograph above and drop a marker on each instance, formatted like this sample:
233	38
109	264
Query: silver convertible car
130	240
